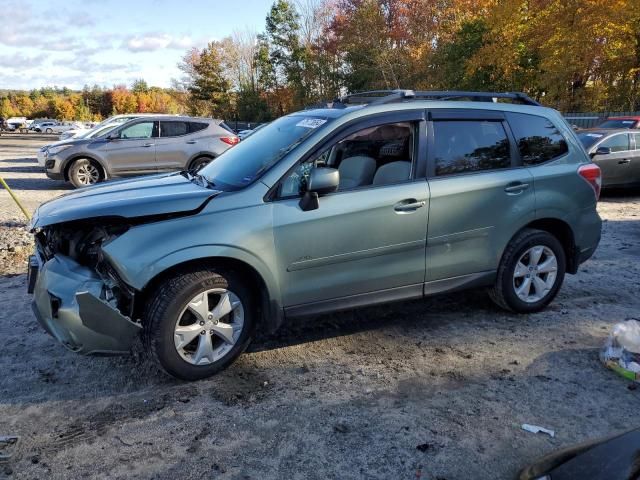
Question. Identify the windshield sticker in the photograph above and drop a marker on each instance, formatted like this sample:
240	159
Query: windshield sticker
627	122
311	122
595	135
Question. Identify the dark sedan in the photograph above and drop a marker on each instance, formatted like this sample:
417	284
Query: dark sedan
617	153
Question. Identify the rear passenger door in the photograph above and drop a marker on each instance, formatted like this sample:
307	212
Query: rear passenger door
172	148
480	196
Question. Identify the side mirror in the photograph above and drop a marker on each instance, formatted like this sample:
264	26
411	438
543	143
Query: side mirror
322	180
601	151
111	136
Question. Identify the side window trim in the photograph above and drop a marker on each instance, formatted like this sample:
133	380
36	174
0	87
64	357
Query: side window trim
515	158
416	116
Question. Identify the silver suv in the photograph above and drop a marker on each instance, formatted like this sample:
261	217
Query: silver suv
321	210
149	144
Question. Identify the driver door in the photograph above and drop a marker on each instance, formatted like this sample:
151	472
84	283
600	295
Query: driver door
365	243
133	151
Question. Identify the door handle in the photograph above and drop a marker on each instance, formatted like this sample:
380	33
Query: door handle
191	142
625	161
147	145
409	205
518	187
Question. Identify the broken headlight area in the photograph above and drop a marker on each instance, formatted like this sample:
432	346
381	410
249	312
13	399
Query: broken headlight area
82	242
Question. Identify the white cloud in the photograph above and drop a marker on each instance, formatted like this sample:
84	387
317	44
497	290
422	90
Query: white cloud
156	41
17	60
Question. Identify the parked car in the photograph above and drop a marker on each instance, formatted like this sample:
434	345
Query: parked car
620	122
46	127
140	146
16	123
617	153
326	209
611	458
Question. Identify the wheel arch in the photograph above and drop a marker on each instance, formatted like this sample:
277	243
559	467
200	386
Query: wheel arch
68	162
564	233
270	309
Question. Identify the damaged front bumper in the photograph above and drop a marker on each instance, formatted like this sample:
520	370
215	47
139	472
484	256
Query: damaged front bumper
69	303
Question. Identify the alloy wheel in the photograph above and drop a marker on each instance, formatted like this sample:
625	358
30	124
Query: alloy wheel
535	274
209	326
88	174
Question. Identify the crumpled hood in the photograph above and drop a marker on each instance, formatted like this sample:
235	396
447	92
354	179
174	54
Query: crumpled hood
152	195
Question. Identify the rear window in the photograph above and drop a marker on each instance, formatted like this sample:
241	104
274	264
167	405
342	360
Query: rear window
470	146
227	127
618	123
537	138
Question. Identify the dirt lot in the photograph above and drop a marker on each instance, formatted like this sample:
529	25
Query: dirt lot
346	396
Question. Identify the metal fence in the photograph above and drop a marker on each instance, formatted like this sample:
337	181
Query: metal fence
591	119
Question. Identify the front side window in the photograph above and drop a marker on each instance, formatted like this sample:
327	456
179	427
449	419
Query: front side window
617	143
538	139
463	146
173	129
374	156
138	130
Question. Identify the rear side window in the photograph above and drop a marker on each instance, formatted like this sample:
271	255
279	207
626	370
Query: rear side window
463	146
538	139
636	136
197	126
174	129
617	143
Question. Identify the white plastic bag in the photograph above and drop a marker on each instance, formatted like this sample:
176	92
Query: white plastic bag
621	352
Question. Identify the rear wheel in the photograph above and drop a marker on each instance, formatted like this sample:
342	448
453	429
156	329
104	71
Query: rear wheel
84	172
199	322
48	130
199	163
530	273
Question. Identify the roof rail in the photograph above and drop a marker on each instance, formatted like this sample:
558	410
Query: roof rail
378	97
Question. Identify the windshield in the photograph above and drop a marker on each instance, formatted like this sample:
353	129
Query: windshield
619	123
242	164
588	139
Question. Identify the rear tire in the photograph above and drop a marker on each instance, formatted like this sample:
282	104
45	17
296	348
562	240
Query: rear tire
198	322
48	130
199	163
531	272
84	172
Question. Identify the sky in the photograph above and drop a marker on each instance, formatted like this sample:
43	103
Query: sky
71	43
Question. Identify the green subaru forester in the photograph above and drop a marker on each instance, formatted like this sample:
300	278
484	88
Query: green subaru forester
377	197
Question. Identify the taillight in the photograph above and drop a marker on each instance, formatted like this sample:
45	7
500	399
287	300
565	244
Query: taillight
230	140
591	173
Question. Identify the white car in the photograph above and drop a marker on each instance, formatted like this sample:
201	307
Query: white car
60	127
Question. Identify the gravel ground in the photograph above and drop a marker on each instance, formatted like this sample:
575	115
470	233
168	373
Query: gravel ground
431	389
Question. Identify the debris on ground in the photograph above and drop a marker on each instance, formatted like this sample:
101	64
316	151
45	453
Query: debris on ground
537	429
8	444
621	351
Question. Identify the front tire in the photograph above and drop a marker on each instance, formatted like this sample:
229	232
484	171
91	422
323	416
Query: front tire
530	273
84	172
48	130
197	323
